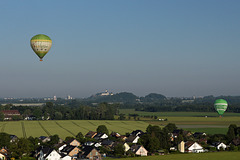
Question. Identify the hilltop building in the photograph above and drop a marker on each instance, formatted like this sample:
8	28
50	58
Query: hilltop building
106	93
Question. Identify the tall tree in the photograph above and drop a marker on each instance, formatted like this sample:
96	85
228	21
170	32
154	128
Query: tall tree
102	129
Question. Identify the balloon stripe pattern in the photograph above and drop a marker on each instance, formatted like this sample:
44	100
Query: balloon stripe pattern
221	106
41	44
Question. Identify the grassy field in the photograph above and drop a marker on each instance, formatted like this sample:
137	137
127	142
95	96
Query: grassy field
191	121
194	156
208	122
67	127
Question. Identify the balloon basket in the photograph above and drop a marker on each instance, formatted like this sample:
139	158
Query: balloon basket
41	60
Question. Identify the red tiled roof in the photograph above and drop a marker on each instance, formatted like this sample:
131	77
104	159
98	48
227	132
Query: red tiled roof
10	112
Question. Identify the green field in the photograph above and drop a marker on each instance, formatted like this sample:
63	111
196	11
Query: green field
66	128
193	156
208	122
191	121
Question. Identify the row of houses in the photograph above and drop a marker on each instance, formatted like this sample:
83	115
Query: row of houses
73	149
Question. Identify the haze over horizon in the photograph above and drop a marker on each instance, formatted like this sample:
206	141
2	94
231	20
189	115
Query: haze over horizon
175	48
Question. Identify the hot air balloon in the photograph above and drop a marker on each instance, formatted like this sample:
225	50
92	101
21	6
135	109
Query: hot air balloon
41	44
221	106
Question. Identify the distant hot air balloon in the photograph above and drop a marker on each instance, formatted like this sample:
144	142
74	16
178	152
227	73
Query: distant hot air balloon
221	106
41	44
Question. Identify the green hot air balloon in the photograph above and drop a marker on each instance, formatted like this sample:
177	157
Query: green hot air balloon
41	44
221	106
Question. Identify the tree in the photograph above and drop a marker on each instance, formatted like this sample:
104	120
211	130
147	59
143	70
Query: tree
20	147
153	144
170	127
102	129
1	116
4	139
232	130
122	116
58	115
118	149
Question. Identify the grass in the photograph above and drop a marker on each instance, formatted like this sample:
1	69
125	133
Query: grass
66	128
193	156
191	121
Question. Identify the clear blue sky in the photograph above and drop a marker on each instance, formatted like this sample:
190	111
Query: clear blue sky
171	47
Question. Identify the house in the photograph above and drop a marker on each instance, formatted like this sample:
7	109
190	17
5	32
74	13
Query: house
137	133
199	134
236	141
115	134
100	136
13	138
48	154
132	139
91	134
44	139
202	141
90	153
71	151
59	146
107	142
139	150
89	143
193	147
123	138
220	145
8	114
181	147
3	156
73	142
187	133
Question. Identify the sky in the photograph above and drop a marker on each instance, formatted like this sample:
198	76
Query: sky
175	48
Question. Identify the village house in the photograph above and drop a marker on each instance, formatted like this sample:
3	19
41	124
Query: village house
71	151
44	139
219	145
90	153
3	154
139	150
115	134
236	141
8	114
100	136
46	153
73	142
91	134
132	139
193	147
13	138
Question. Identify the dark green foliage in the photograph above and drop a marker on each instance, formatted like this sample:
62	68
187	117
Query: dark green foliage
118	150
4	139
102	129
232	132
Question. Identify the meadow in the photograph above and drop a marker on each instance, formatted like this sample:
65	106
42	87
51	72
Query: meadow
199	156
66	128
209	123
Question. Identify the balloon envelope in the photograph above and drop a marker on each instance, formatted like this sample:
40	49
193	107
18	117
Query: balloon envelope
221	106
41	44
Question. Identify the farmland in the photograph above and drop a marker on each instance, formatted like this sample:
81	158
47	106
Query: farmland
208	122
192	121
200	156
67	127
